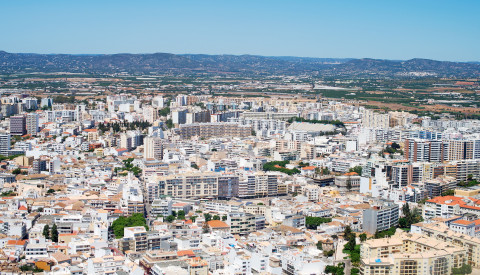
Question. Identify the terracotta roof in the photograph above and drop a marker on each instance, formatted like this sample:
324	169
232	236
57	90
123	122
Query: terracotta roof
217	224
16	242
188	253
463	222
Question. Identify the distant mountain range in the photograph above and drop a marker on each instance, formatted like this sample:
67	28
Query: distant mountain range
231	64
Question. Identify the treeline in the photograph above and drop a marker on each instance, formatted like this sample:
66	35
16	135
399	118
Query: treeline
280	166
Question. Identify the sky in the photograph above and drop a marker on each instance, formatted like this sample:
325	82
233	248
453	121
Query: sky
441	30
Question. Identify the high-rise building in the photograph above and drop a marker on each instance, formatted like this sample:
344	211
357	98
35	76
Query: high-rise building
32	124
18	125
4	144
150	114
153	148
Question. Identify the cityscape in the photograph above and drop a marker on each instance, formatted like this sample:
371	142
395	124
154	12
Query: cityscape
237	164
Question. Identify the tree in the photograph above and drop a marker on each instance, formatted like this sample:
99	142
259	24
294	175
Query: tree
46	231
216	218
319	245
347	233
50	191
136	219
314	222
174	213
17	171
193	218
357	169
170	218
181	215
325	171
207	217
224	217
450	192
363	237
350	245
169	123
349	183
328	253
54	235
463	270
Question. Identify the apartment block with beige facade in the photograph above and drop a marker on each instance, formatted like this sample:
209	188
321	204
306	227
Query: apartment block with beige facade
409	253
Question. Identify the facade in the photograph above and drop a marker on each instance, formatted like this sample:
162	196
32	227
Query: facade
213	129
32	120
408	253
381	217
153	148
241	223
18	125
199	185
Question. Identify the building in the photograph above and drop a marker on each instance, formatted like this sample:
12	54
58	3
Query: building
199	185
5	144
134	238
241	223
441	232
32	124
153	148
409	253
18	125
381	217
436	187
213	129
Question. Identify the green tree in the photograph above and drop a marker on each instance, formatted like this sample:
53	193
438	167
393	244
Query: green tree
450	192
463	270
136	219
319	245
350	245
54	235
216	218
207	217
46	231
349	184
224	217
357	169
314	222
193	218
347	233
363	237
170	218
325	171
169	123
17	171
181	215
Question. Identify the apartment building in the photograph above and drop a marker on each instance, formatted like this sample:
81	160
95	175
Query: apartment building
199	185
18	125
408	253
213	129
241	223
153	148
134	239
32	123
380	217
442	233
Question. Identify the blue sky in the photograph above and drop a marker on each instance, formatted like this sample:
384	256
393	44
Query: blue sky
442	30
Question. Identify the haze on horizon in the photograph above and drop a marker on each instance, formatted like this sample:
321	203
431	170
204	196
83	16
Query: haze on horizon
401	30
